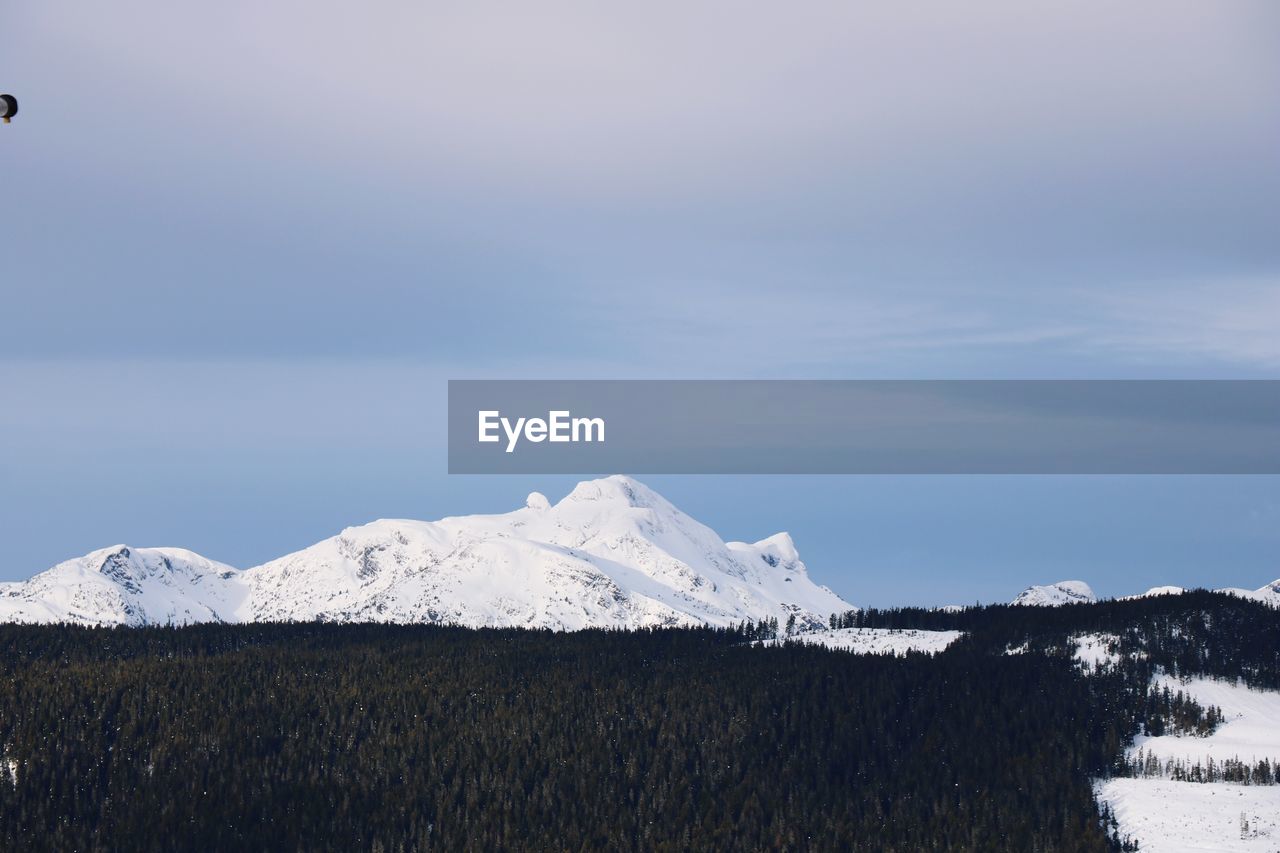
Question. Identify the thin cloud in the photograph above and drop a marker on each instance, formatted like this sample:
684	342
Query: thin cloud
1226	322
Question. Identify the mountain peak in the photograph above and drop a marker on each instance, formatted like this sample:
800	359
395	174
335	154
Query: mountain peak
121	551
127	586
1161	590
1052	595
616	488
779	549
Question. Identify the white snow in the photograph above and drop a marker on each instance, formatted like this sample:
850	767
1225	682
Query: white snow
1073	592
1168	816
1052	595
1095	649
1187	817
1250	730
1155	591
613	553
1269	594
129	586
876	641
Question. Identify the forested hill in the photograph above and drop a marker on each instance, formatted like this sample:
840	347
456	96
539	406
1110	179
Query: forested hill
1194	633
365	737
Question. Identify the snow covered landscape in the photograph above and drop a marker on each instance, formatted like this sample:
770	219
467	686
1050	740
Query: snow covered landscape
1250	731
1269	594
1168	815
1187	817
615	554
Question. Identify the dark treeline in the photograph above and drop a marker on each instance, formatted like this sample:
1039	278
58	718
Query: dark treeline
365	737
1198	633
1234	770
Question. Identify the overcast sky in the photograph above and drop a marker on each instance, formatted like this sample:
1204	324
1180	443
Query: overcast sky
245	244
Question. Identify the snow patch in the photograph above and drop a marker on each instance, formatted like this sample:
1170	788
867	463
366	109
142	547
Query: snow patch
1250	730
1185	817
875	641
1096	649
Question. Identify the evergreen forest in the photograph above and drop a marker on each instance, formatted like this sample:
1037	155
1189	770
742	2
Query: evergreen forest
303	737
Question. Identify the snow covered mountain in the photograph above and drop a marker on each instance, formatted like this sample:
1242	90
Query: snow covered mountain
1269	594
611	554
1072	592
1052	595
127	586
1155	591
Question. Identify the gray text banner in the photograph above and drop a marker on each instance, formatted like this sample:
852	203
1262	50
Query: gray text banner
864	427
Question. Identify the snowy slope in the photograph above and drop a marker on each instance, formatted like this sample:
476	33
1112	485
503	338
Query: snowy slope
1250	730
1154	592
875	641
1052	595
1169	816
1095	650
128	586
1072	592
613	553
1187	817
1269	594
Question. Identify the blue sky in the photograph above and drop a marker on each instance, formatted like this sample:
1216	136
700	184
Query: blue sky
244	248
